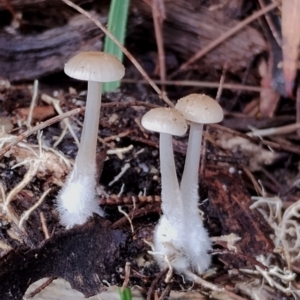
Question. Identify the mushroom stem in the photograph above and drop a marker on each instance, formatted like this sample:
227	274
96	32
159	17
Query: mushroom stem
86	156
77	200
189	181
171	200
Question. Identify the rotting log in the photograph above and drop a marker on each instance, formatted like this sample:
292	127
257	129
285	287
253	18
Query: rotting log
85	256
190	26
21	5
26	57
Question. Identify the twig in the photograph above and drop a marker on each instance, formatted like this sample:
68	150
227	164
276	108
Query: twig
129	103
33	167
127	217
220	87
27	213
158	17
165	292
244	79
117	136
119	152
275	130
205	84
68	114
40	126
127	276
224	37
125	51
44	226
253	180
211	286
117	200
154	283
271	24
138	212
298	108
292	149
41	287
32	104
241	255
56	104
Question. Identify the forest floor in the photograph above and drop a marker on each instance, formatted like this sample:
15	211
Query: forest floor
248	175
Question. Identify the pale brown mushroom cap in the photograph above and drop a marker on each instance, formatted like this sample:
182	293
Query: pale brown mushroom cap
165	120
200	108
95	66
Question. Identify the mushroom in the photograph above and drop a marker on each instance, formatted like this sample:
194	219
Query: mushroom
77	200
198	109
169	232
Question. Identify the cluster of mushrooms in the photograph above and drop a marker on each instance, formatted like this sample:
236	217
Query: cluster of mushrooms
180	239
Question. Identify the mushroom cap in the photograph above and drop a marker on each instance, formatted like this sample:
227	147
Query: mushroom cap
200	108
95	66
165	120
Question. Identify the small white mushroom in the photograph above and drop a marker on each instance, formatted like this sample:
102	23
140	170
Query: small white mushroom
77	200
169	232
199	110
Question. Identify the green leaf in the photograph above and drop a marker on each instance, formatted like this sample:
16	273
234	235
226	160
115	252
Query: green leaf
117	20
126	294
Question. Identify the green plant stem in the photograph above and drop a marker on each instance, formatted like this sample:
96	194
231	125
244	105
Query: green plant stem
117	20
125	294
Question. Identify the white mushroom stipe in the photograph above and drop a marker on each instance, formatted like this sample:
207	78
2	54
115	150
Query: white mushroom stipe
179	240
199	110
77	200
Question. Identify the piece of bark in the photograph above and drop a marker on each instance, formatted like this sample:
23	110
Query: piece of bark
34	4
84	256
190	26
27	57
39	113
230	204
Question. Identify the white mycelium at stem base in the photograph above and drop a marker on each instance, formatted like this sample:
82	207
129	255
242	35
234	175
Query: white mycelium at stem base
199	109
77	200
169	232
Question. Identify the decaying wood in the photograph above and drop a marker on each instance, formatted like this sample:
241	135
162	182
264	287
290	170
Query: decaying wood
187	23
31	56
189	26
230	203
64	256
34	4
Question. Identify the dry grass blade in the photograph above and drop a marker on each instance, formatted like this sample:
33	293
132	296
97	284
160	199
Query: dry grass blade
206	84
158	14
290	41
